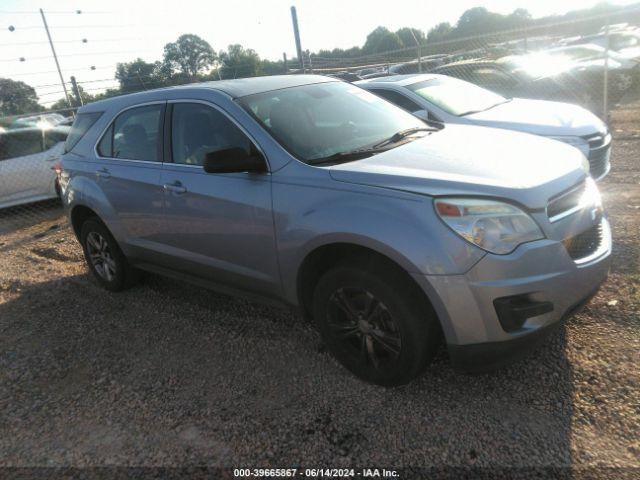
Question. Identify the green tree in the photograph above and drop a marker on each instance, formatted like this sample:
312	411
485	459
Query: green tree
190	55
381	40
140	75
269	67
238	62
440	32
17	97
62	103
477	21
407	35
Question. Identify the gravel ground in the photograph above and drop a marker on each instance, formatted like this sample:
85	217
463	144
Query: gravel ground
172	375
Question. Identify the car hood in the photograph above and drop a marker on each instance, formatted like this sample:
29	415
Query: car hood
540	117
469	160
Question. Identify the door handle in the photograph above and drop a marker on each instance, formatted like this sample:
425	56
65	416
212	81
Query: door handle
175	187
103	173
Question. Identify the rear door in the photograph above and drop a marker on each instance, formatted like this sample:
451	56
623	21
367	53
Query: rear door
127	170
217	226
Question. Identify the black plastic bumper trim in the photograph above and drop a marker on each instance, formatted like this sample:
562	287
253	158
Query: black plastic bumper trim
489	356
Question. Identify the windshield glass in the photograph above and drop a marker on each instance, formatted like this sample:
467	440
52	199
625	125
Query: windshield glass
317	121
456	97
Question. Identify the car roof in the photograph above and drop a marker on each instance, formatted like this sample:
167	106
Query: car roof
236	88
399	80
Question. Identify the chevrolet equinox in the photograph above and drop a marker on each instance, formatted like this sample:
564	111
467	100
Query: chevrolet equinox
388	232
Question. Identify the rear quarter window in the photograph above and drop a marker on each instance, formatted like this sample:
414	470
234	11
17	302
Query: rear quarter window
81	125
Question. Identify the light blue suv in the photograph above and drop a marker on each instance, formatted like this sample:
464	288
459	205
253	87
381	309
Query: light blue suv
389	233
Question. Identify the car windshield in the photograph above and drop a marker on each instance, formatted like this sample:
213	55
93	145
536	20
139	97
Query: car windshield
456	97
316	121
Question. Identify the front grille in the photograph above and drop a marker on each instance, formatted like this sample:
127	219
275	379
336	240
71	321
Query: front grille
585	243
599	148
598	161
565	202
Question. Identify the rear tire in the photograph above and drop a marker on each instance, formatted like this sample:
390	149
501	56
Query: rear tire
104	257
376	322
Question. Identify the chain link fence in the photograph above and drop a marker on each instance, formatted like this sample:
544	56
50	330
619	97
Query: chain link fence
592	62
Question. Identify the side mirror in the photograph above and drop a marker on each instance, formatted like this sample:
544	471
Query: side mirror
231	160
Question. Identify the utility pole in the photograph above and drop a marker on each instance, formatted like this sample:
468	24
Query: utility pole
76	91
308	53
55	57
296	34
605	92
284	59
419	53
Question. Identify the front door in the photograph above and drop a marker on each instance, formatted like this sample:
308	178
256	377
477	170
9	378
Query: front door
217	226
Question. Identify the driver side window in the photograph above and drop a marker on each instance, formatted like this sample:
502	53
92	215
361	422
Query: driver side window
198	129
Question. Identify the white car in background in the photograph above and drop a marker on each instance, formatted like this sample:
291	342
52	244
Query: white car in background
444	99
27	160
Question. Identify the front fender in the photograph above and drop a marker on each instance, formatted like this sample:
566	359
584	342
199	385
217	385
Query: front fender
403	227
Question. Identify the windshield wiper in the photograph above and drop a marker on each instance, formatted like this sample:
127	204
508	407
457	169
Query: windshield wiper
402	134
382	146
347	156
506	100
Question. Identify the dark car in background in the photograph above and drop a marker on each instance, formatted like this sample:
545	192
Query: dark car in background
426	64
346	76
44	120
569	74
624	43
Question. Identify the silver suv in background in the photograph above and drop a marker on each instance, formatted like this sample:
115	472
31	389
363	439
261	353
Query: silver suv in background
390	234
449	100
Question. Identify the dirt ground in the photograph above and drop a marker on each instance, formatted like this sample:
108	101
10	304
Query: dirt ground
168	374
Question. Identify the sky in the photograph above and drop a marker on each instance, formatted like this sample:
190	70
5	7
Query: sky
122	30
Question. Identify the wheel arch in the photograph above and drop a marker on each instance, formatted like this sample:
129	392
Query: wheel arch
78	215
323	257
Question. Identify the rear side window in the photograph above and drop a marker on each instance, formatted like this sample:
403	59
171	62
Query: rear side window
398	99
134	135
105	147
81	125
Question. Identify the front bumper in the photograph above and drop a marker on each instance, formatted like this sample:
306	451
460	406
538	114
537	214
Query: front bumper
541	270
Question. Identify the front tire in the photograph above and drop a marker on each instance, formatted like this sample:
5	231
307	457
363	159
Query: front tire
376	322
104	257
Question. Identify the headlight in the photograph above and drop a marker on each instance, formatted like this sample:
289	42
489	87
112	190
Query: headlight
591	195
493	226
577	142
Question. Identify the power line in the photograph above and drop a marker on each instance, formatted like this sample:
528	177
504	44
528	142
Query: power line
82	40
83	54
55	12
79	69
56	27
